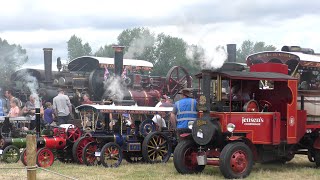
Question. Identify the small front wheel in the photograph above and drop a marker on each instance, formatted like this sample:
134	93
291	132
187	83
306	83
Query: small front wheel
236	160
111	155
185	158
90	154
45	157
11	154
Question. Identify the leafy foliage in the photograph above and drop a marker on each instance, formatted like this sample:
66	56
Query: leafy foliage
106	51
12	57
248	47
77	49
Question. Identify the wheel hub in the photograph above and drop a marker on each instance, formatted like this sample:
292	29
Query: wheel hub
238	161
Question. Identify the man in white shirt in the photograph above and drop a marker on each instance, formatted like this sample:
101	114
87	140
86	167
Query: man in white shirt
62	107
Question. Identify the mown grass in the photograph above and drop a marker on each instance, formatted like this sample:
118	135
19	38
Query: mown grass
298	168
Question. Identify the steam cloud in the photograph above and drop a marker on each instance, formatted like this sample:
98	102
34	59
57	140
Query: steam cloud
32	84
138	46
114	88
208	60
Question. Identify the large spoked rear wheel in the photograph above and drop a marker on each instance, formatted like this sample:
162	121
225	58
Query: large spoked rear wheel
111	155
236	160
156	148
11	154
185	158
45	157
77	148
90	154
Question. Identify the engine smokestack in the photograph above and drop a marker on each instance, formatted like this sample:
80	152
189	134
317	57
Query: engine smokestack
232	52
47	52
118	59
37	122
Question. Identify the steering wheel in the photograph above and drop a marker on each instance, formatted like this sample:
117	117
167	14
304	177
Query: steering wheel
265	103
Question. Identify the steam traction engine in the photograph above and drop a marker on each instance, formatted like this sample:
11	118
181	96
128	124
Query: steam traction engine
135	139
94	75
54	143
247	117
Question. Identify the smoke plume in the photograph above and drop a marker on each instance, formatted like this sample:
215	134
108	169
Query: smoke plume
114	88
138	46
32	84
208	59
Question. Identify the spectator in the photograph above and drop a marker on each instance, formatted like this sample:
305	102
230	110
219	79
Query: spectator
183	111
9	97
14	110
3	105
29	110
48	114
86	99
158	119
62	107
126	118
163	99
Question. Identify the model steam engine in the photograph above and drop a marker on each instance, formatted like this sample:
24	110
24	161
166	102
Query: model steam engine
93	75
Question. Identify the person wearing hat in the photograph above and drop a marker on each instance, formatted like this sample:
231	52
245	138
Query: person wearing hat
62	107
183	111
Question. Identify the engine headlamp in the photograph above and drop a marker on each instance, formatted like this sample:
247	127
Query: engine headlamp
231	127
190	124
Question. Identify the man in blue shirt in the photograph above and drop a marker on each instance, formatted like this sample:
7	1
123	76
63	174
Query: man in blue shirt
184	111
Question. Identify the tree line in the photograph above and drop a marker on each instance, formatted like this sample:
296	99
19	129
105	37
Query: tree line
163	50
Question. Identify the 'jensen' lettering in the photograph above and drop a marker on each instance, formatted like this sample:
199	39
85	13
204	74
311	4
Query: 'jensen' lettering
252	121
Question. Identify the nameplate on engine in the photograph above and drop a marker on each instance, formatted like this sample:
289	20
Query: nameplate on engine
134	146
201	122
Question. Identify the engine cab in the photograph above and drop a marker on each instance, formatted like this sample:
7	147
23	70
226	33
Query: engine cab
262	106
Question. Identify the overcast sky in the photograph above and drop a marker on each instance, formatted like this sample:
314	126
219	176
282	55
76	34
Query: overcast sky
35	24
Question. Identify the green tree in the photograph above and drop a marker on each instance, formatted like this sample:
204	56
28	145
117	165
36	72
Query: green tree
106	51
139	43
248	47
163	51
77	49
12	57
87	49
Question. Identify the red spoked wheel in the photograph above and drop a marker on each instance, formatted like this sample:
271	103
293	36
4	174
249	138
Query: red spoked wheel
176	79
236	160
185	158
111	155
45	157
23	157
78	146
91	154
73	133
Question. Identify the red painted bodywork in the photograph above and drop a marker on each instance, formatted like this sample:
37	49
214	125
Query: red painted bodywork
265	129
283	122
269	67
55	142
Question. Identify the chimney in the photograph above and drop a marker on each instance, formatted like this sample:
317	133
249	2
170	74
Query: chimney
47	52
37	122
232	52
118	59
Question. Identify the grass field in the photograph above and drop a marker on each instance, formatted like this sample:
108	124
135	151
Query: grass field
298	168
